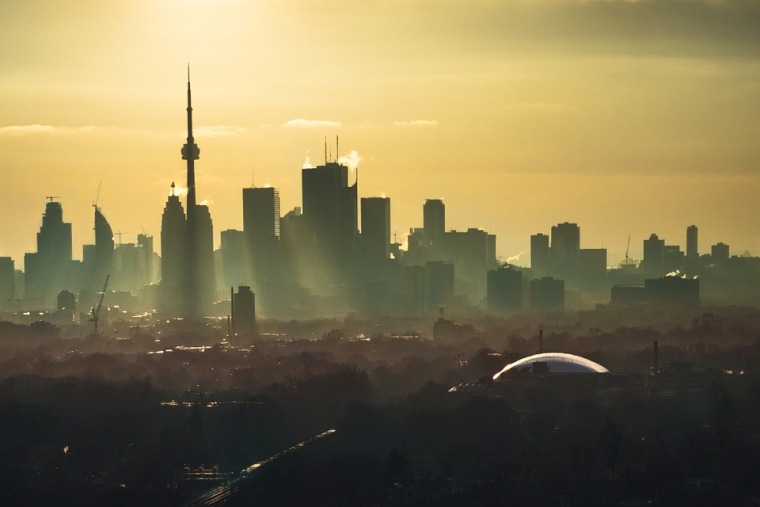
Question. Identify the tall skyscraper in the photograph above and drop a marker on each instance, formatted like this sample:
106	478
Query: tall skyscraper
654	254
692	246
565	247
505	290
173	253
540	256
261	213
376	229
49	269
7	283
434	219
719	252
261	227
330	222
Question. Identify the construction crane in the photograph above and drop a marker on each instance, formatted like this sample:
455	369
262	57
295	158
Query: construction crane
96	310
627	248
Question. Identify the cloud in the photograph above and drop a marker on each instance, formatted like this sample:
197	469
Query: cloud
308	124
218	131
415	123
20	130
34	129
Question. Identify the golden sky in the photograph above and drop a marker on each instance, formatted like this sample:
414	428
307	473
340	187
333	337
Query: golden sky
627	117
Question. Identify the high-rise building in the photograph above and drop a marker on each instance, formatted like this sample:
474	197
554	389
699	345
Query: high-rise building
173	253
376	229
49	269
547	294
434	219
261	214
719	252
565	247
505	290
7	282
654	254
261	226
692	246
243	313
330	223
540	255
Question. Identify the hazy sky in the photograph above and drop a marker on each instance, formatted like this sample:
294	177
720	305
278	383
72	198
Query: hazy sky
627	117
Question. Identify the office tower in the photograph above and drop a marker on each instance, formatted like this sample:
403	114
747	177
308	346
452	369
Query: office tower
261	226
173	253
654	254
434	219
7	283
330	224
103	253
49	269
472	253
261	214
376	229
547	294
565	247
719	252
243	313
505	290
692	250
540	256
205	279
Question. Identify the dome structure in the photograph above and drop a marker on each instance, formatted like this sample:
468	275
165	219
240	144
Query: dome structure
550	362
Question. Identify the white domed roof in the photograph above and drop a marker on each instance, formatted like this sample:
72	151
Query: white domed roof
552	362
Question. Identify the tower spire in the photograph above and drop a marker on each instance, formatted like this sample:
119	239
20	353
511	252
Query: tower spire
190	151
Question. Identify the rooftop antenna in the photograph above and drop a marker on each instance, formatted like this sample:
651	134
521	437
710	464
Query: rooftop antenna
51	197
337	150
627	248
253	173
325	150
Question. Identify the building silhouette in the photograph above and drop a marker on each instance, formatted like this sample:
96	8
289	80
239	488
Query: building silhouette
174	260
7	283
261	227
505	290
692	245
330	225
50	268
188	274
654	255
540	254
434	219
719	252
243	313
547	294
376	229
565	248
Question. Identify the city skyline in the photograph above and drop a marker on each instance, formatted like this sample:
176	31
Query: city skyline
637	129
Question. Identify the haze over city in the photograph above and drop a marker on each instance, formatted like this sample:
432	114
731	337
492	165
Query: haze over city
624	117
